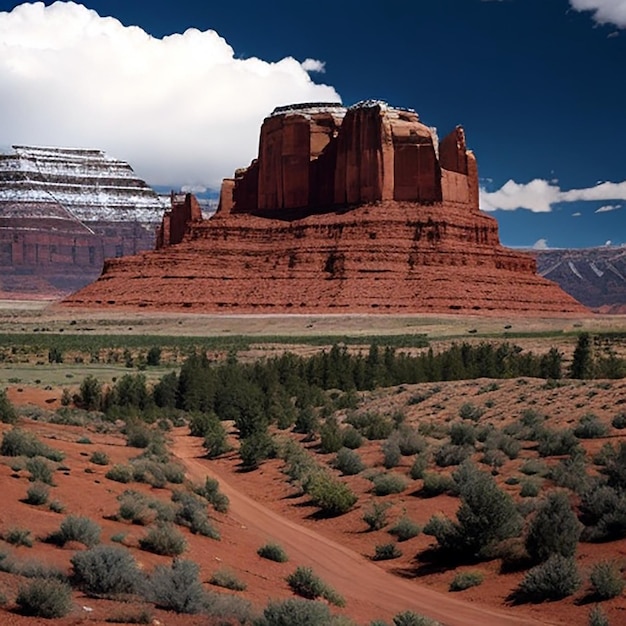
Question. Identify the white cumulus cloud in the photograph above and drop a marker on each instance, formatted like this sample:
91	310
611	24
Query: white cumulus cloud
541	244
182	109
608	207
604	11
540	195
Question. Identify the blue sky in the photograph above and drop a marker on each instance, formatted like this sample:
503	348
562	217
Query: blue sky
539	85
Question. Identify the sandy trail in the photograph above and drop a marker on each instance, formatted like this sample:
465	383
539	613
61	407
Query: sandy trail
356	578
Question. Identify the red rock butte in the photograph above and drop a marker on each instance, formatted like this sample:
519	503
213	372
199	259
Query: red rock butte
345	210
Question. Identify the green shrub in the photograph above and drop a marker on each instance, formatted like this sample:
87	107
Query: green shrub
37	493
18	442
273	552
619	421
468	411
40	470
410	441
7	412
348	462
330	494
462	434
351	438
77	528
376	516
106	570
56	507
557	442
99	458
132	616
385	484
590	427
450	454
404	529
597	617
211	492
386	551
191	512
372	426
227	579
409	618
465	580
120	473
606	580
420	463
529	488
553	579
163	539
256	447
534	467
295	611
436	484
391	453
19	537
216	441
176	587
45	597
307	584
331	439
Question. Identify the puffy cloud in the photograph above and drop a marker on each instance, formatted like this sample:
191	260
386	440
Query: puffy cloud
539	195
608	207
313	65
604	11
182	109
541	244
577	214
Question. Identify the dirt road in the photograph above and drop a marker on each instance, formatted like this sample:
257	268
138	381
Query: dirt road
356	578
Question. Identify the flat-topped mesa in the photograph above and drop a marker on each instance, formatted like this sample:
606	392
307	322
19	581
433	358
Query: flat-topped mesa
318	157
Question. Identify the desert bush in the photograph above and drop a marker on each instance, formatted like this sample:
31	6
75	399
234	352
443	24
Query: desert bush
534	467
351	438
132	616
120	473
493	457
386	552
590	427
436	484
462	433
469	411
619	420
307	584
372	426
226	578
7	412
216	441
404	529
465	580
606	580
529	488
555	529
331	439
388	483
571	473
40	470
191	512
295	611
163	539
19	537
37	493
99	458
106	570
409	618
348	462
211	492
273	552
176	587
134	507
557	442
256	447
77	528
18	442
508	445
450	454
330	494
45	597
391	452
553	579
376	516
419	465
597	617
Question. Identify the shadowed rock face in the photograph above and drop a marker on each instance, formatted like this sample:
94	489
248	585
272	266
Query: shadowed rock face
344	210
62	212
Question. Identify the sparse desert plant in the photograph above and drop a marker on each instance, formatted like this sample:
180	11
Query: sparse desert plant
106	570
18	442
273	552
619	420
376	516
606	580
330	494
553	579
19	537
462	433
142	615
307	584
529	488
210	490
450	454
163	539
404	529
469	411
557	442
77	528
590	427
420	463
224	577
100	458
45	597
351	438
391	452
597	617
191	512
7	412
385	484
348	462
176	587
134	507
534	467
37	494
410	441
120	473
295	611
436	484
56	507
386	551
465	580
409	618
40	470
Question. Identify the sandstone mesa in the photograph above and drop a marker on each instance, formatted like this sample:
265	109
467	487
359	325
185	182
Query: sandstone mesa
358	209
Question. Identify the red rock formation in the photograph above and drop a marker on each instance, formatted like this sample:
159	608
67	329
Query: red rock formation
357	210
176	222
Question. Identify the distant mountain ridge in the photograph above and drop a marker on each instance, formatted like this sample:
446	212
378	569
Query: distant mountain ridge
594	276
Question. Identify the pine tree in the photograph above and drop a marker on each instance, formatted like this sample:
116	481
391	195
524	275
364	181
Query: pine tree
582	362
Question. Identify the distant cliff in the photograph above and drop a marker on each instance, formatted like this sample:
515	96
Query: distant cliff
594	276
62	212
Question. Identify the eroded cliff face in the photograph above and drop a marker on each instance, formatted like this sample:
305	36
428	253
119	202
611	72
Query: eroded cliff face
344	210
62	212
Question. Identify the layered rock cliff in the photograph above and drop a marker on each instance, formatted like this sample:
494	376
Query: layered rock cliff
62	212
344	210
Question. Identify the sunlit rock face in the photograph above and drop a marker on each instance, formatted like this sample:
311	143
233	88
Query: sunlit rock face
62	212
359	209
